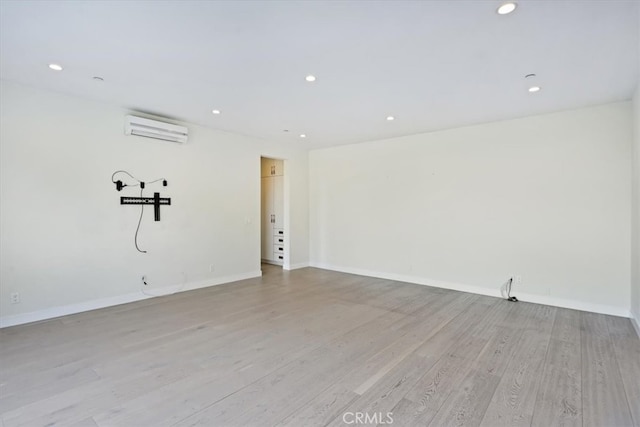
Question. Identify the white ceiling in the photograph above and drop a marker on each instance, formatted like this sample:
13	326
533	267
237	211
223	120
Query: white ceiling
432	64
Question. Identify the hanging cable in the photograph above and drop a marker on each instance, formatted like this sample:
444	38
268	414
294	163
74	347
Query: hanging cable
506	290
120	184
135	239
125	172
145	282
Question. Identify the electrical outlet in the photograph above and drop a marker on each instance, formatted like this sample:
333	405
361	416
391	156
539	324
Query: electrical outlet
15	298
518	280
212	268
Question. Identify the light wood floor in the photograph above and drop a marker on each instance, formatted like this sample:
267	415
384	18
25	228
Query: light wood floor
303	348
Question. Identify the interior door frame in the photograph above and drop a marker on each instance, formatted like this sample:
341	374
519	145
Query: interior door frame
286	265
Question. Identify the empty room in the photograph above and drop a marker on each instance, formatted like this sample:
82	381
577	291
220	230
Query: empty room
319	213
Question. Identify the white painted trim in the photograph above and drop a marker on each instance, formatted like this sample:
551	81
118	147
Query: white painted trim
538	299
575	305
296	266
635	321
65	310
50	313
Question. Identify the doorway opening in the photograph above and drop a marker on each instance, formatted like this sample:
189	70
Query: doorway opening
273	233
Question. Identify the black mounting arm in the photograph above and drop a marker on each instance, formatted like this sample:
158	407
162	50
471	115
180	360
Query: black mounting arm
156	201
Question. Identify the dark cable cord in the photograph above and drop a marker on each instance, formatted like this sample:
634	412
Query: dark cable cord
119	184
135	239
133	177
509	297
125	172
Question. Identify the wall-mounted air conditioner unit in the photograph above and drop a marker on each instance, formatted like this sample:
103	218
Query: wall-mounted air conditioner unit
155	129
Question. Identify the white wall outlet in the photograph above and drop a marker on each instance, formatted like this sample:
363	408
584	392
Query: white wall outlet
517	280
212	268
15	298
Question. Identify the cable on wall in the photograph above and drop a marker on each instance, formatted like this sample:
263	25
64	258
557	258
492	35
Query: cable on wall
145	282
135	238
506	291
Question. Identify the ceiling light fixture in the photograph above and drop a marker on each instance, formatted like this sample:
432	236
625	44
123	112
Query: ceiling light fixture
390	118
532	83
55	67
310	78
302	135
507	8
215	111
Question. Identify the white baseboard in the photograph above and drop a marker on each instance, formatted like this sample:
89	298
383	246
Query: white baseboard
53	312
575	305
538	299
635	321
50	313
296	266
65	310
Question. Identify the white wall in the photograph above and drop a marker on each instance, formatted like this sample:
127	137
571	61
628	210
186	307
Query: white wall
67	243
544	197
635	214
635	202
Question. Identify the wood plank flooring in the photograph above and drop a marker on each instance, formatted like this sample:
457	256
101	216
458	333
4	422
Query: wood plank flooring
313	347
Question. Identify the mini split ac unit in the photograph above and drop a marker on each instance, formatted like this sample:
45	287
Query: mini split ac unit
155	129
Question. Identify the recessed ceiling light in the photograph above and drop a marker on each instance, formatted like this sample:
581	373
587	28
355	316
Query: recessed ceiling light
215	111
310	78
302	135
390	118
507	8
531	81
55	67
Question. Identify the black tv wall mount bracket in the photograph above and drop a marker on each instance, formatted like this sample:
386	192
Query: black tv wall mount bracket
156	201
141	201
